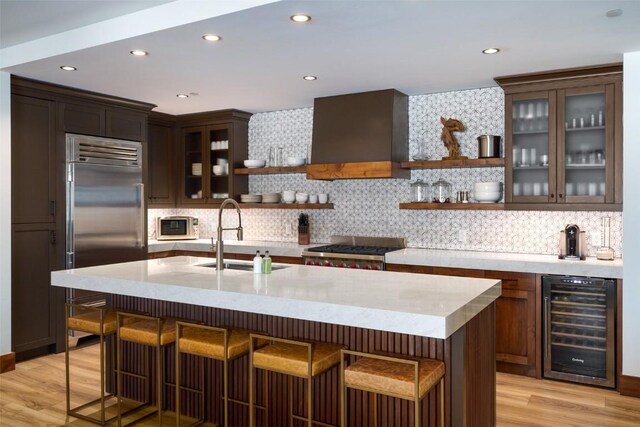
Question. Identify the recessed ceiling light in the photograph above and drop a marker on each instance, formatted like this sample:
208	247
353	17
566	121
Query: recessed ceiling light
491	50
613	13
310	78
138	52
182	95
299	17
68	68
212	37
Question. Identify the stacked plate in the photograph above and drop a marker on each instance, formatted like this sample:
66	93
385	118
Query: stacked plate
196	169
270	197
250	198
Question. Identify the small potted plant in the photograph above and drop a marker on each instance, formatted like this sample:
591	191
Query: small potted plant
303	229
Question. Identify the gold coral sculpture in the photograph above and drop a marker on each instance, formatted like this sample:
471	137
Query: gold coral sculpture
449	126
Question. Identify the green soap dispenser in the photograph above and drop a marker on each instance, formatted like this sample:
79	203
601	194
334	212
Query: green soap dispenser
266	263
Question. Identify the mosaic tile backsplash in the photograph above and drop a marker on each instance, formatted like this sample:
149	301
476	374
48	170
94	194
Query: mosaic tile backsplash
370	207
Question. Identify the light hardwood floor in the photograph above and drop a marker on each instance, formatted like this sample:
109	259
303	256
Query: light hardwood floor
34	395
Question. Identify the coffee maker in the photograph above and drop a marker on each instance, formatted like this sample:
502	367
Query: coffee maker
573	243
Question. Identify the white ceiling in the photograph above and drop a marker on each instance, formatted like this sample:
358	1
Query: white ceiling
415	46
25	20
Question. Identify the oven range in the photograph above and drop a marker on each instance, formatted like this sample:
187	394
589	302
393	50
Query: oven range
366	253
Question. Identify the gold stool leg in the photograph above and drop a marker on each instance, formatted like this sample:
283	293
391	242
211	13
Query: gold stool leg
442	402
225	386
417	403
290	382
119	375
66	355
343	394
266	397
310	401
159	384
178	379
251	391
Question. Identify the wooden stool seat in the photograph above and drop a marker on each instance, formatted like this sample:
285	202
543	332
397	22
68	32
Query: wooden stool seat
393	378
296	358
291	359
210	343
89	322
144	332
153	333
409	378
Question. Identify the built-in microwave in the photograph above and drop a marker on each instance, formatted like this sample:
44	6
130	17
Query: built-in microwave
177	228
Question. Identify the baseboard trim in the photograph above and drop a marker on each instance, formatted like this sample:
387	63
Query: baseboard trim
630	386
7	362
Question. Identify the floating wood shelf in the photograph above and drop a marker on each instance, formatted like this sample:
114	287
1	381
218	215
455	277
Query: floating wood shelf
460	163
286	205
454	206
273	170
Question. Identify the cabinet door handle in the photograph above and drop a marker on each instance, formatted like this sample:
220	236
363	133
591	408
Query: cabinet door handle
52	237
52	208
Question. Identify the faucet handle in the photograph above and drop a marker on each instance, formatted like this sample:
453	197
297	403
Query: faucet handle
213	244
240	233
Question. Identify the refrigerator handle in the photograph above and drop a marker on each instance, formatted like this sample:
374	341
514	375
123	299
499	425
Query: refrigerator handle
547	325
140	237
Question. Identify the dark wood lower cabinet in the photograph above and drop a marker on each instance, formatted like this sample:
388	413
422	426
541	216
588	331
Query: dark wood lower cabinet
36	307
517	348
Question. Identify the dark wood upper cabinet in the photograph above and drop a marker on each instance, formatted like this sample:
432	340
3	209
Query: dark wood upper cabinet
162	161
563	139
125	124
200	187
84	119
33	137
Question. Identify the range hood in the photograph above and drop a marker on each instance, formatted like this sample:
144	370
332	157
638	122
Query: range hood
360	135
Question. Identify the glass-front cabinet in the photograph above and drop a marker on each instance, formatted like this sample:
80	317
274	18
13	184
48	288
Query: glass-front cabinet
563	143
209	155
586	139
533	141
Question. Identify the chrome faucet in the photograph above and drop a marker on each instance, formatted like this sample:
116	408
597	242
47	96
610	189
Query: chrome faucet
219	243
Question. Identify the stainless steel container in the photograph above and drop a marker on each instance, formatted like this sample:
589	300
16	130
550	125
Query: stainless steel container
488	146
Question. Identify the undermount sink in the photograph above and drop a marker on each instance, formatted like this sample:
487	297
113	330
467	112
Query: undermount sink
238	266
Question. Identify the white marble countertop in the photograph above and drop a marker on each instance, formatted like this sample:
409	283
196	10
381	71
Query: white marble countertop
498	261
423	305
522	263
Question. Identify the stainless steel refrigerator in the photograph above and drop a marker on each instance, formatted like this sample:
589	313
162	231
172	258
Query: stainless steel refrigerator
105	201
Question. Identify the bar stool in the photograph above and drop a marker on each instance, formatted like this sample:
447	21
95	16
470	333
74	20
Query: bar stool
98	321
405	378
302	359
210	342
152	332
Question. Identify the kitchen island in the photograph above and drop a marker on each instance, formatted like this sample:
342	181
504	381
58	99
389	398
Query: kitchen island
446	318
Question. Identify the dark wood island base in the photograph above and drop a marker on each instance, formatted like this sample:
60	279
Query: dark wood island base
469	356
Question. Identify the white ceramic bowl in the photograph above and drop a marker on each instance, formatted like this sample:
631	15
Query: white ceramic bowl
218	169
302	197
487	196
255	163
288	196
295	161
487	186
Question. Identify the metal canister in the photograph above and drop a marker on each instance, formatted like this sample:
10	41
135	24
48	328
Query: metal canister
489	146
